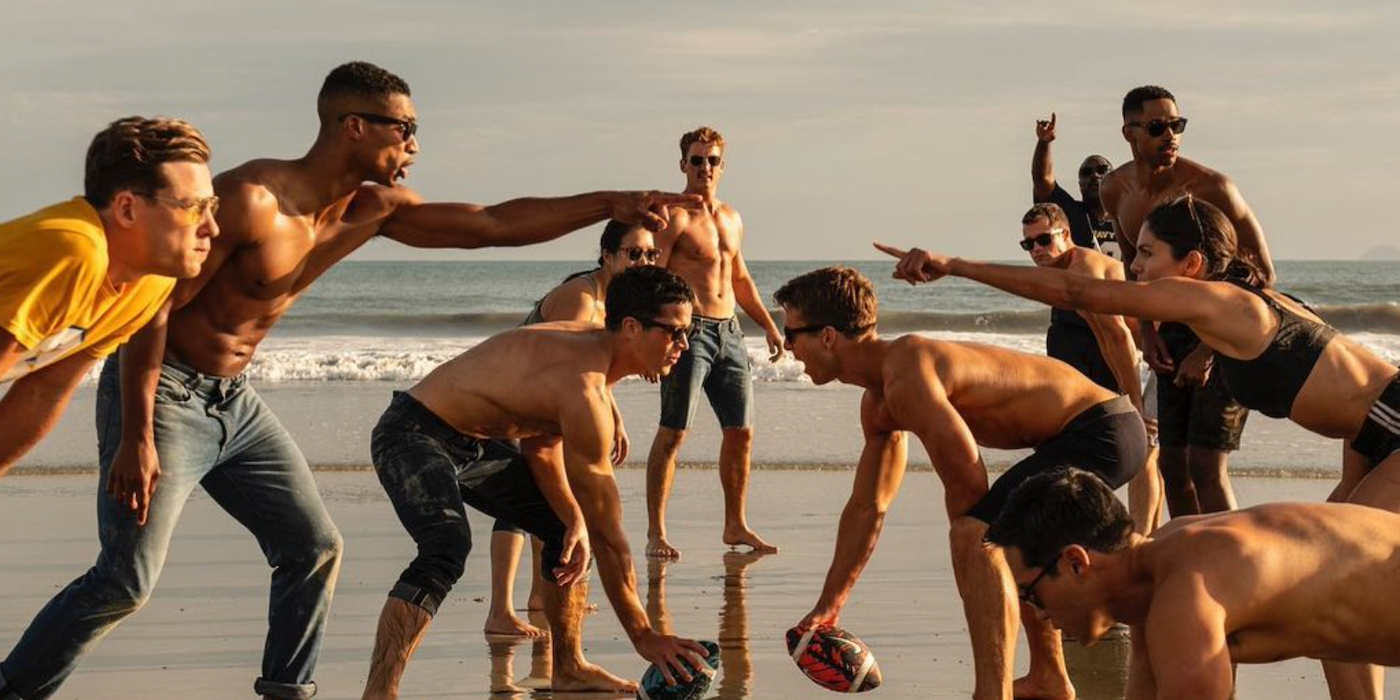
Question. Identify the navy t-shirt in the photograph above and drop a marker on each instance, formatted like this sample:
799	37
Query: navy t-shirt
1083	229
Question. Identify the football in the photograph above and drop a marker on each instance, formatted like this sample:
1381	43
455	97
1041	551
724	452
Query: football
834	659
653	685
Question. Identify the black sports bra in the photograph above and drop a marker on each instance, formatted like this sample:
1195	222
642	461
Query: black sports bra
1270	382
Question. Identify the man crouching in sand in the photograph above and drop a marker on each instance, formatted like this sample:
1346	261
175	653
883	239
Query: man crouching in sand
449	442
1263	584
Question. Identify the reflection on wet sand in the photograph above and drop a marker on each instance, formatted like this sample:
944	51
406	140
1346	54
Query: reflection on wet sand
536	684
736	664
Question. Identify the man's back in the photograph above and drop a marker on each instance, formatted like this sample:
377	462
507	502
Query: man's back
1293	579
1008	399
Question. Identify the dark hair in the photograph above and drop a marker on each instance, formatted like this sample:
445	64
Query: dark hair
1138	96
1059	508
836	296
360	79
127	155
1052	213
1188	224
640	292
612	236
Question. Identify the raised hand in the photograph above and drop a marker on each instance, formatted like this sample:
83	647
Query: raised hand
1045	128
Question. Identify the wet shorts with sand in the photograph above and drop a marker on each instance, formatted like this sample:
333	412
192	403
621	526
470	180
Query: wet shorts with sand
718	362
1380	434
1107	439
431	473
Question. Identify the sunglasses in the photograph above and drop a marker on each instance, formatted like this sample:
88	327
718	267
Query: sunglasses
195	209
1095	170
1027	592
698	161
636	252
1043	240
1157	127
790	334
406	127
677	333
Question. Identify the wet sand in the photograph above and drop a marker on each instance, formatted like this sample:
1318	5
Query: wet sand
201	635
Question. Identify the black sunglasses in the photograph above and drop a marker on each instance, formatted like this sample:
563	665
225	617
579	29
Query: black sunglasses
790	334
636	252
1027	592
1157	127
677	333
408	128
698	161
1095	170
1042	240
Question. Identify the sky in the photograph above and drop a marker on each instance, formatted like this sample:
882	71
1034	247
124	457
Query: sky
905	122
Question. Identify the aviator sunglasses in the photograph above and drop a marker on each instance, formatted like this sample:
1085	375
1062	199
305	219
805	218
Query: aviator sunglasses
195	209
1042	240
1157	127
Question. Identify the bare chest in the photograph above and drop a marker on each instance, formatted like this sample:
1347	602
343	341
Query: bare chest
706	239
284	263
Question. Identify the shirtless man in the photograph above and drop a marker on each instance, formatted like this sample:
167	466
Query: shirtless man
187	416
1259	585
78	278
1100	346
954	397
703	246
450	442
1200	423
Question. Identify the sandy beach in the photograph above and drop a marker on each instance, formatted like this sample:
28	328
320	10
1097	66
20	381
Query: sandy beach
201	634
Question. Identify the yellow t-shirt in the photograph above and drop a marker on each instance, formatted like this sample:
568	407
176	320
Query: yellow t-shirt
55	298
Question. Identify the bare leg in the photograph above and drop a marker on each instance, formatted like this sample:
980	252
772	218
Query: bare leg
505	557
1211	477
1378	488
1047	678
401	628
1145	496
1176	480
536	599
987	590
573	673
661	471
734	452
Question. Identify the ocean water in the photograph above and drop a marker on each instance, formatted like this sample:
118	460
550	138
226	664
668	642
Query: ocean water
396	321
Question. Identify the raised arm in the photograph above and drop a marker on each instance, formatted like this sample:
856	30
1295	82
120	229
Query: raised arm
33	404
1186	639
587	428
1042	163
520	222
878	476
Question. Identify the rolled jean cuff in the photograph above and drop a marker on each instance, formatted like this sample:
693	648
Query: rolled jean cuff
285	691
416	596
6	692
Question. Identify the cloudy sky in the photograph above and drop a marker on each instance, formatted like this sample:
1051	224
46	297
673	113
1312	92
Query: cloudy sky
909	122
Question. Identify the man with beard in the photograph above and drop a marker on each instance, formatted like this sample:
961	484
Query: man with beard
1090	226
182	414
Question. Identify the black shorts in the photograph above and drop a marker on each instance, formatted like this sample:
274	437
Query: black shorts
1380	435
1196	416
1075	345
1107	439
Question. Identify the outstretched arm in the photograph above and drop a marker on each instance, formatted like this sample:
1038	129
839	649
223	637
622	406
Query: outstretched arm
520	222
1042	163
33	404
878	476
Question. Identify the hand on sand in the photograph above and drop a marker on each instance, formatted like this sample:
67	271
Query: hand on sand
573	562
775	345
1045	131
133	477
916	265
659	548
651	208
666	652
742	536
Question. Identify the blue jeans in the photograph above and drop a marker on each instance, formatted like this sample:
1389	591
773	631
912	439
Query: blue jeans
215	432
716	362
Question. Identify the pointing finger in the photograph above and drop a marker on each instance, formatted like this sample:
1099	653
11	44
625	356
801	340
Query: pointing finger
889	250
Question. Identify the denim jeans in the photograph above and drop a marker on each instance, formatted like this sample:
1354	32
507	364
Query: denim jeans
215	432
716	362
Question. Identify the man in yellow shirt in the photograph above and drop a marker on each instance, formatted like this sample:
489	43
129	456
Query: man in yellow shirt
79	277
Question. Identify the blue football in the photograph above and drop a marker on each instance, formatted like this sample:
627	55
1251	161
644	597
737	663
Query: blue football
653	685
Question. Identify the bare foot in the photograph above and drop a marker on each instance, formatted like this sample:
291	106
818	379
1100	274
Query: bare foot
735	537
659	548
1049	688
589	678
509	625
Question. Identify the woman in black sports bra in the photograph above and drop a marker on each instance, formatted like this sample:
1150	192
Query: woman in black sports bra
1275	355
